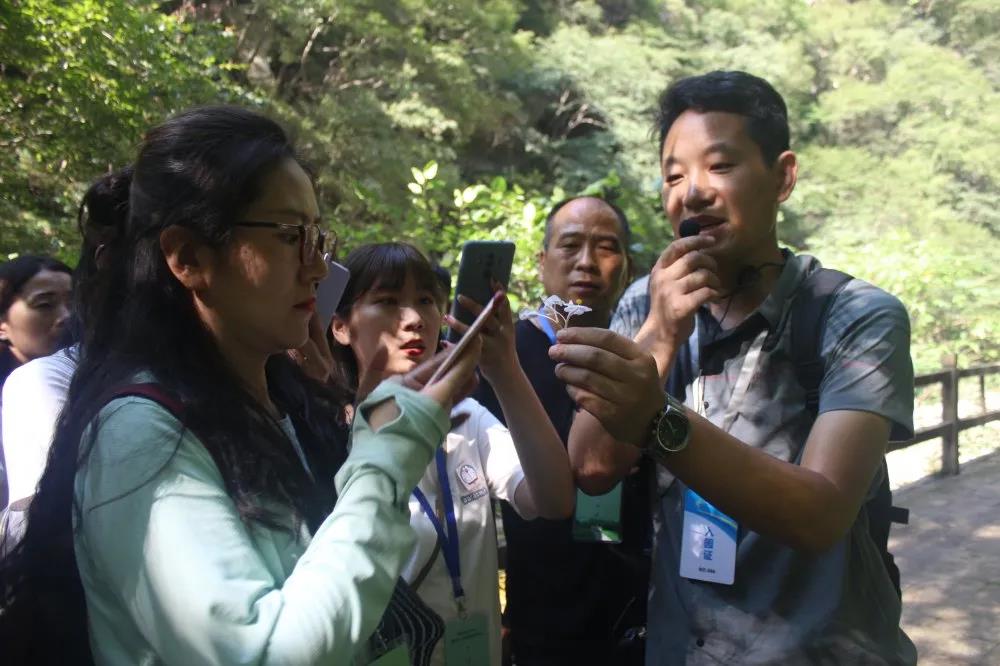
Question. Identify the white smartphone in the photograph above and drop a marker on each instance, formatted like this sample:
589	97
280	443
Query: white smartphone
330	290
457	350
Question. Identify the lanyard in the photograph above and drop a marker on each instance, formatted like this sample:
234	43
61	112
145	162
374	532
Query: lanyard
547	327
449	546
747	370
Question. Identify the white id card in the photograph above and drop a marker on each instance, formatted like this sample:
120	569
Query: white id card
708	543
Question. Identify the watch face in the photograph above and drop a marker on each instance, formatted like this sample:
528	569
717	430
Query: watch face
672	430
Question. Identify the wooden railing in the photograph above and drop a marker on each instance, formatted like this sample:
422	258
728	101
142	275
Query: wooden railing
950	424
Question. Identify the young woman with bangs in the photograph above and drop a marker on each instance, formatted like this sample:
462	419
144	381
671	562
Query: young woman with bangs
388	322
201	504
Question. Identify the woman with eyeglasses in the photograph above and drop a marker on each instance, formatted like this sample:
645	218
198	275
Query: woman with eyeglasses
201	504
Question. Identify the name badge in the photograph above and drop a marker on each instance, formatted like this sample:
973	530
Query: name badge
708	542
466	641
598	519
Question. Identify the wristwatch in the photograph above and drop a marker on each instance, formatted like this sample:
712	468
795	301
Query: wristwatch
670	430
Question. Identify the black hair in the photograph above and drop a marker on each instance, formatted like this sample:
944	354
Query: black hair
14	274
379	266
198	170
444	277
101	220
731	92
626	229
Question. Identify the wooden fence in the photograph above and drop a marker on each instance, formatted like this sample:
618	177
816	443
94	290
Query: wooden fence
950	424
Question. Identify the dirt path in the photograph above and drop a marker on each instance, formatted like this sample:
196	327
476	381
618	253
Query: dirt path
949	557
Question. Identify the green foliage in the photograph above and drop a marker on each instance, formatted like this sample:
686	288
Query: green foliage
510	105
80	82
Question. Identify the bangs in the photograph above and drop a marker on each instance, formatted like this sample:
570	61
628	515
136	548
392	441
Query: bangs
386	266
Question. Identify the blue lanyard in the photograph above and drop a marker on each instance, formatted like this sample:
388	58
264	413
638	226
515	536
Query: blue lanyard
547	328
449	546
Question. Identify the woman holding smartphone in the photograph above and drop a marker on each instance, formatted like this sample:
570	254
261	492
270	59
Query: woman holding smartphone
388	321
200	504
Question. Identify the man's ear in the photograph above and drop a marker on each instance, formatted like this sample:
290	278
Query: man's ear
187	257
341	331
541	265
787	171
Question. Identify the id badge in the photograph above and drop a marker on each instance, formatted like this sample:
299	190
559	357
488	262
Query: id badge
708	542
598	519
398	656
466	641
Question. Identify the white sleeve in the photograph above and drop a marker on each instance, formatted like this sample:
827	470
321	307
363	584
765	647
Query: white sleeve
497	453
33	397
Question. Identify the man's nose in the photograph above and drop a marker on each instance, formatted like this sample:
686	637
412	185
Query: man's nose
699	194
586	258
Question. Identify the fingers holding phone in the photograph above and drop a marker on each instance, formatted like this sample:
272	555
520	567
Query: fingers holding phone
450	375
314	357
499	348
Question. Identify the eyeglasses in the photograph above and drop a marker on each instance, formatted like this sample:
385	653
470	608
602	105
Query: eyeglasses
312	239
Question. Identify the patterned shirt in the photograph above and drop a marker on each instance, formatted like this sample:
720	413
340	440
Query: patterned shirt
786	606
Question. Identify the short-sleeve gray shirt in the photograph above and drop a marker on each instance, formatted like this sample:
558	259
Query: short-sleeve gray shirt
786	606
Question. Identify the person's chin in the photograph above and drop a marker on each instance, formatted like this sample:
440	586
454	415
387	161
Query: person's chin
404	363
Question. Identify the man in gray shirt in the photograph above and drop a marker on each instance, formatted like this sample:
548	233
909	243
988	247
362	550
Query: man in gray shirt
746	460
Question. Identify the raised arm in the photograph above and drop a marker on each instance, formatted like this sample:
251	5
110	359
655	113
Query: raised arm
547	489
808	506
158	529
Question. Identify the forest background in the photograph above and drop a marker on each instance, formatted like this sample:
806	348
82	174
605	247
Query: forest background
441	121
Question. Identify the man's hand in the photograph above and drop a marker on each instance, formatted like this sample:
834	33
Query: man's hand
610	377
683	279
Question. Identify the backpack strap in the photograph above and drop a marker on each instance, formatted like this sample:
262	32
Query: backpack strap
151	391
809	312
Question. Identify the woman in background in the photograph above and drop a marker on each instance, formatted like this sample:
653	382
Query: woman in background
388	321
34	307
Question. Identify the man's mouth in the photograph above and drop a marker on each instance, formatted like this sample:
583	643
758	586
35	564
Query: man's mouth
707	221
585	286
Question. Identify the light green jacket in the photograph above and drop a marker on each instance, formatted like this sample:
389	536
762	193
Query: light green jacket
173	576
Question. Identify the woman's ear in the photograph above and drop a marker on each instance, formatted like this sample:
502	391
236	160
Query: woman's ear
187	257
341	331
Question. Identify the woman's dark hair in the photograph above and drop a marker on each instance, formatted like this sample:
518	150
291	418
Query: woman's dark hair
14	274
199	170
731	92
379	266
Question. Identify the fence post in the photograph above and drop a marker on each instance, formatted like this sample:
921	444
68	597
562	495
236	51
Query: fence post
982	393
949	415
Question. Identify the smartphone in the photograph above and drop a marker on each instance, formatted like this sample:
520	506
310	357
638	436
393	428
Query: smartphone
457	350
482	263
330	290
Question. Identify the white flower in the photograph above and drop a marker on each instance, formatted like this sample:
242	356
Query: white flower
573	309
527	313
552	302
556	310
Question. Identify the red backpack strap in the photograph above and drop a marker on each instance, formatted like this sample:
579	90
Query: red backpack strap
152	392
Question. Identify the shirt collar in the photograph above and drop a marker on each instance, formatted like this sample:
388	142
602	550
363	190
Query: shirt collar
769	313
